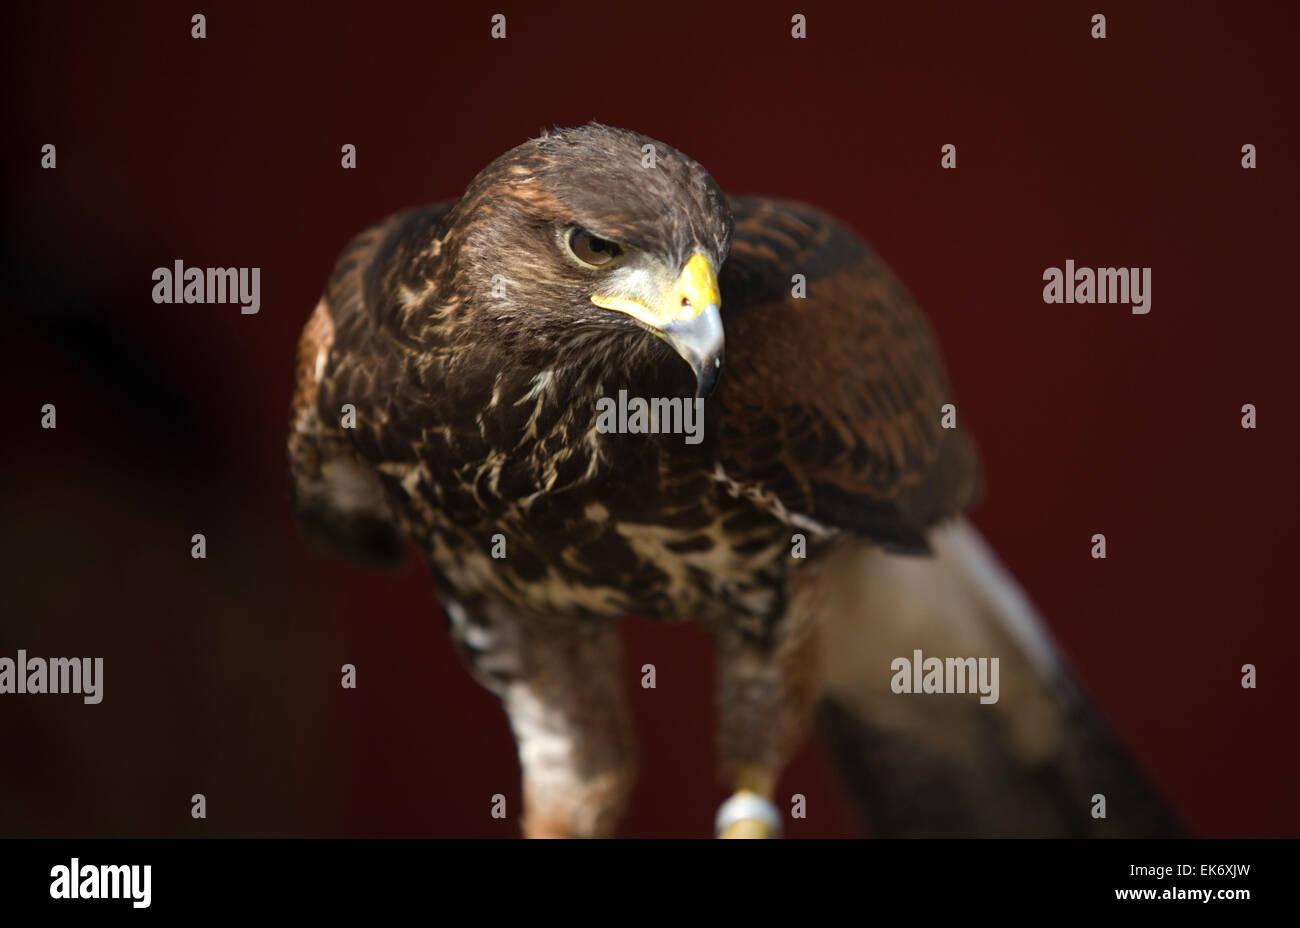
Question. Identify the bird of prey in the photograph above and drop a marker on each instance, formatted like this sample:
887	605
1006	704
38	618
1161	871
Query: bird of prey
450	390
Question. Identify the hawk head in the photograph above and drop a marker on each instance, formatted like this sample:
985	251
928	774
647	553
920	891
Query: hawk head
594	238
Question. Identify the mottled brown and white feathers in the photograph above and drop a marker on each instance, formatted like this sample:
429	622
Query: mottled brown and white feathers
447	390
476	406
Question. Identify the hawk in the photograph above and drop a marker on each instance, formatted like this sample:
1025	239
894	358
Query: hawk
473	343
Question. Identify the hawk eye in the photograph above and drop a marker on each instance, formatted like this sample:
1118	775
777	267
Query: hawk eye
592	250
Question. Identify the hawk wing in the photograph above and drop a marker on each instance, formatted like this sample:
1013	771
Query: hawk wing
831	399
348	353
832	411
1032	763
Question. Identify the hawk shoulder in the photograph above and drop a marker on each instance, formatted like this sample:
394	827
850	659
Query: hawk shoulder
345	356
831	400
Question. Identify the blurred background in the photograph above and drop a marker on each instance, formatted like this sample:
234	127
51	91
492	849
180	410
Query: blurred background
222	675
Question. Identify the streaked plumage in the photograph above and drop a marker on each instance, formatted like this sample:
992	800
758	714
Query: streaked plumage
474	350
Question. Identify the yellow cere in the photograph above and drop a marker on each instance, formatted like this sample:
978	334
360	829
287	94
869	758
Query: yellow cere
699	285
695	288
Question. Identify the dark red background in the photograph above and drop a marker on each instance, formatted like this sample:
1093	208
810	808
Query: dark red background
222	675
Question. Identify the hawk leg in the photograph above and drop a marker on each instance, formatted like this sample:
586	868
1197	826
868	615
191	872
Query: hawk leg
767	686
560	683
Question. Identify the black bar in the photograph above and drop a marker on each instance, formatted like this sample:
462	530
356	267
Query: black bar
234	877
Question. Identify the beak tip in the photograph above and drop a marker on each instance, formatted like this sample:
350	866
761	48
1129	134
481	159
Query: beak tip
699	342
706	376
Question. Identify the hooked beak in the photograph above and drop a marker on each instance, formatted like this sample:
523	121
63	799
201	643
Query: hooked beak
685	314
